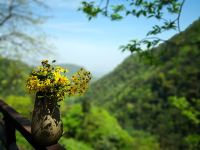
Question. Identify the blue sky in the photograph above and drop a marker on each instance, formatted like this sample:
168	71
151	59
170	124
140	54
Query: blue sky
94	44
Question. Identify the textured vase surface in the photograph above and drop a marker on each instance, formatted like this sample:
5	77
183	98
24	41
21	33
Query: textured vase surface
46	126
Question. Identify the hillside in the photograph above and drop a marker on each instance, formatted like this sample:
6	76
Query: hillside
74	68
94	130
12	77
71	67
144	104
139	93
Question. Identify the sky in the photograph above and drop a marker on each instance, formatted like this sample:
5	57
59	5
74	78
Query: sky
95	44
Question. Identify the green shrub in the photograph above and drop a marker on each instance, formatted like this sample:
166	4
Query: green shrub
102	131
72	144
21	104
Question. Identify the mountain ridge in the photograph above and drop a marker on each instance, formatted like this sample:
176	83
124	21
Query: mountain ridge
137	91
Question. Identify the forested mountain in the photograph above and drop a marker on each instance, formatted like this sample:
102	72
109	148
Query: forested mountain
94	130
12	77
149	102
160	94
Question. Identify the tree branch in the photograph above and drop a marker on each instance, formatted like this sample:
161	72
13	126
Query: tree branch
106	7
179	15
6	18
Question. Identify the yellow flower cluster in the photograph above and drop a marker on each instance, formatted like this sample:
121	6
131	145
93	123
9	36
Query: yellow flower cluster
79	82
53	82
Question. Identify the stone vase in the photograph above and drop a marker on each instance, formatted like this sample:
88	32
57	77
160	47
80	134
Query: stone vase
46	125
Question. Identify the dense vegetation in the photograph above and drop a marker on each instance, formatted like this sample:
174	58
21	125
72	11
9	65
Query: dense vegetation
160	94
146	103
94	130
12	75
101	131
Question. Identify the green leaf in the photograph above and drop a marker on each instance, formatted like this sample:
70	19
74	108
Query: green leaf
118	8
116	16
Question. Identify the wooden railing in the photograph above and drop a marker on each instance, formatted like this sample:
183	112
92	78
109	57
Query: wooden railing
13	121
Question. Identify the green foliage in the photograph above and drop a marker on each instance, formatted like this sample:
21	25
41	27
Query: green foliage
162	98
101	131
12	77
187	109
157	9
153	103
72	144
72	120
24	105
104	132
193	141
144	141
90	9
22	143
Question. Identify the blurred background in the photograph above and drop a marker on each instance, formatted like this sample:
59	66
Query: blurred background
137	100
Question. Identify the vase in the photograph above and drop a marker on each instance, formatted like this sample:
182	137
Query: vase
46	125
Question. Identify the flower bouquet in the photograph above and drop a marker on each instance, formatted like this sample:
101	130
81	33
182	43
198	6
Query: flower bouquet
50	85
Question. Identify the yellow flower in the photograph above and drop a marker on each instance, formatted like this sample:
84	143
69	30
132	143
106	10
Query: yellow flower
47	82
63	80
54	82
56	76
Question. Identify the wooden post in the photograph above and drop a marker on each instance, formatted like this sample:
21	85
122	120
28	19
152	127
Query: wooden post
10	134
